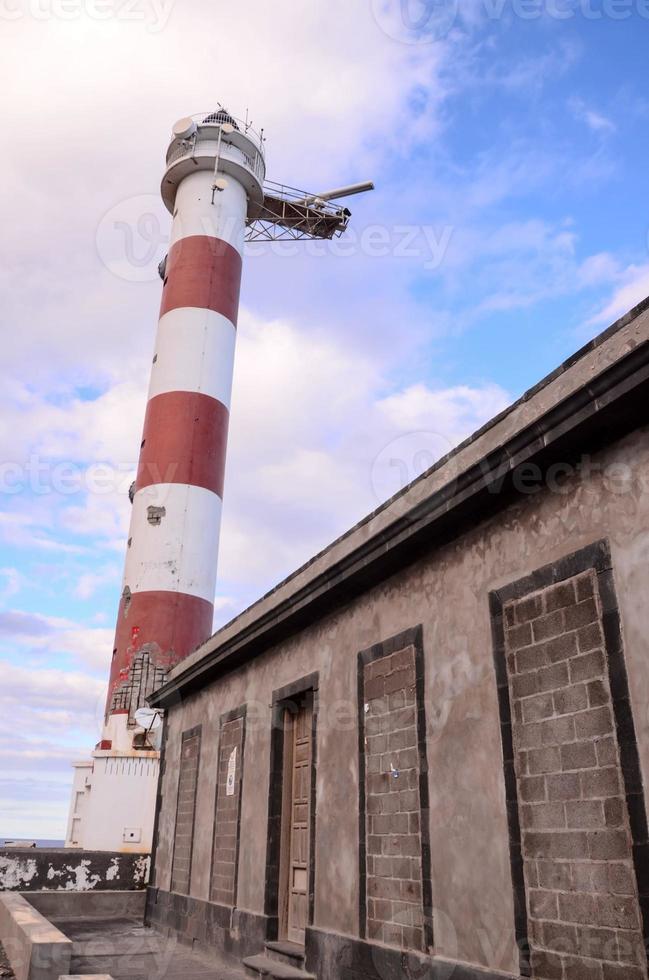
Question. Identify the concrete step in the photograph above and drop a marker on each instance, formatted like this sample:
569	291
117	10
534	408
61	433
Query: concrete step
120	946
286	952
118	965
264	966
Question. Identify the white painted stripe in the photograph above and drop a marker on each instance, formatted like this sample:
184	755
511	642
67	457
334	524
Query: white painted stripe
194	352
194	213
180	553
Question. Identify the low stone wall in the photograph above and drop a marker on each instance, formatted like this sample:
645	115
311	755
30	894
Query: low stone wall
68	869
89	905
36	949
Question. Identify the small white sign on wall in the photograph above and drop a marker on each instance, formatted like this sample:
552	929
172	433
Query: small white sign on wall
232	769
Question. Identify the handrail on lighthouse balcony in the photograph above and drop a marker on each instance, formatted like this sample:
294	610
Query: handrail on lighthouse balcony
191	147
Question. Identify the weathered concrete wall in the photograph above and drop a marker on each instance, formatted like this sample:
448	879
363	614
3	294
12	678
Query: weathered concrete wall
89	905
447	592
71	870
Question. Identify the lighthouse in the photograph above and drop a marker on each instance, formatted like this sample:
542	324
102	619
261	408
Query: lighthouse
215	189
213	171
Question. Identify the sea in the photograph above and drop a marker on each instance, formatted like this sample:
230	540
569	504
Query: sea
40	842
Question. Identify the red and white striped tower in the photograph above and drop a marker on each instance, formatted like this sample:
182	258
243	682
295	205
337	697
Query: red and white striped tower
213	167
213	179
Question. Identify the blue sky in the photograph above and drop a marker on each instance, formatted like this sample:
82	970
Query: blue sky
509	226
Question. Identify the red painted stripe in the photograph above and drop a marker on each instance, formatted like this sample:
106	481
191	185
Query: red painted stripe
170	624
204	272
184	441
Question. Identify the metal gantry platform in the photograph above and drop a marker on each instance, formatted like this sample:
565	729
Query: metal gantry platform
288	213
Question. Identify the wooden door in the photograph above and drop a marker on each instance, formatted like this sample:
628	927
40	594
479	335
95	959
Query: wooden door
296	819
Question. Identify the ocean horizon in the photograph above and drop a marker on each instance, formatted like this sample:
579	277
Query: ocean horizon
39	841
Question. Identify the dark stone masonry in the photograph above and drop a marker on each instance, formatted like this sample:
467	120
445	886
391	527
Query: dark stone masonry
224	865
186	811
582	900
393	841
144	677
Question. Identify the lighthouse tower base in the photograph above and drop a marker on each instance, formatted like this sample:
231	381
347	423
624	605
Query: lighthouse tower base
114	794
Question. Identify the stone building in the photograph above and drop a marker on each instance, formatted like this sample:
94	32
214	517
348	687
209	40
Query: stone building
424	754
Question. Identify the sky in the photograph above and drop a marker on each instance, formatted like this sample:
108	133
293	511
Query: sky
508	142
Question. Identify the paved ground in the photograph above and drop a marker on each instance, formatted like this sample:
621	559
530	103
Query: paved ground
127	950
5	970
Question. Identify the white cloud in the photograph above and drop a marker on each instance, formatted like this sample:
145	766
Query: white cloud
633	288
595	121
522	263
22	531
13	582
48	717
297	106
57	699
456	412
89	582
598	269
527	75
65	470
88	647
104	428
34	801
16	623
46	639
312	420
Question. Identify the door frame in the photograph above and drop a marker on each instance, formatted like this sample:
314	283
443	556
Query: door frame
287	698
236	714
303	703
